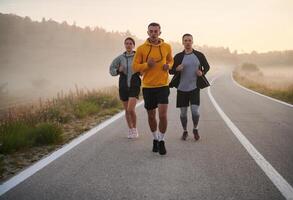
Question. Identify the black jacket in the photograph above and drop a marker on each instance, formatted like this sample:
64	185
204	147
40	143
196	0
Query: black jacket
204	66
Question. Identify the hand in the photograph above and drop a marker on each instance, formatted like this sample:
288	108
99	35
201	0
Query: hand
165	67
121	68
151	62
180	67
199	73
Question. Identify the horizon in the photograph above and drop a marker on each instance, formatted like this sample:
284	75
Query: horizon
114	31
242	28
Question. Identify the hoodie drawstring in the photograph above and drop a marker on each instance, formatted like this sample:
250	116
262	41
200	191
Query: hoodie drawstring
147	57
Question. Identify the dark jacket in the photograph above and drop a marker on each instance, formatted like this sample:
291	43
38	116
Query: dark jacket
204	66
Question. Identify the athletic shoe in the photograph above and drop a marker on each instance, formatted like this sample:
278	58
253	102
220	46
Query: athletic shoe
162	149
196	135
155	146
135	133
130	134
184	135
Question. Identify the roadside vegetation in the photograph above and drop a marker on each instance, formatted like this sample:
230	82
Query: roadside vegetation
28	132
276	81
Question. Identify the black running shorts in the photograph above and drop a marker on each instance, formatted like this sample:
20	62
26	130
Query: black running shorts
184	99
154	96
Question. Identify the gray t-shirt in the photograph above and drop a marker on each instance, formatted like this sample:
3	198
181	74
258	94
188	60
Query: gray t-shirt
188	75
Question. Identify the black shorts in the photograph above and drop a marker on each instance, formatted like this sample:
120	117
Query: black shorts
154	96
184	99
125	93
132	91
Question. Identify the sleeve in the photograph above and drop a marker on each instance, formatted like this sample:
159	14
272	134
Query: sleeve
170	60
205	64
138	65
114	67
175	65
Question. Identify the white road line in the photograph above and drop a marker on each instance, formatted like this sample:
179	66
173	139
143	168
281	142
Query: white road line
15	180
257	93
283	186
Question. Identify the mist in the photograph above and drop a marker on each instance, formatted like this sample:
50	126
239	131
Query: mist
41	59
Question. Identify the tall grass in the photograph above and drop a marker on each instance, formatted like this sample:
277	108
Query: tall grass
20	135
275	82
41	123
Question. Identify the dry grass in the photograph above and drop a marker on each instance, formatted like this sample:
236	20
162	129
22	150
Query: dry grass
276	82
29	132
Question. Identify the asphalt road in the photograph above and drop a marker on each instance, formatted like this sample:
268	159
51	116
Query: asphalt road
109	166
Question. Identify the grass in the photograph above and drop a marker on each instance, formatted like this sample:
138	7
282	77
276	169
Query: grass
52	122
266	81
19	135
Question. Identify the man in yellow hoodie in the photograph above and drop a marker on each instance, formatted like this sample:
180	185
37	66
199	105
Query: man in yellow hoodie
154	59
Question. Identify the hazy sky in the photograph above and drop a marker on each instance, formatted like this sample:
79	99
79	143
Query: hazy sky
245	25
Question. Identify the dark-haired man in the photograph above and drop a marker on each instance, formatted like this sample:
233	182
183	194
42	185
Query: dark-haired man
154	59
188	65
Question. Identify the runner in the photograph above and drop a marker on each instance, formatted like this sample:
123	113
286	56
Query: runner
129	84
154	59
187	67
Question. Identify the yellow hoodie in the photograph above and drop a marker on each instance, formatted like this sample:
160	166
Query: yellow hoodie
155	76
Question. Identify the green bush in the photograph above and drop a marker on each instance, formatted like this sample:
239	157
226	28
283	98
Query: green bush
14	136
18	135
84	108
45	134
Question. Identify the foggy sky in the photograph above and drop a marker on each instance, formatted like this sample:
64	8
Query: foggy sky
261	25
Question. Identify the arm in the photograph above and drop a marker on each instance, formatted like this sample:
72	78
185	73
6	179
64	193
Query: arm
114	67
205	64
175	65
138	65
169	59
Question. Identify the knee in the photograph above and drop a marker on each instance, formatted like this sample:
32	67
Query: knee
195	111
183	114
163	116
131	111
152	117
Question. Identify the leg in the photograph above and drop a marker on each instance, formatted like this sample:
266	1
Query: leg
195	102
162	127
152	120
195	119
153	126
195	115
127	116
163	101
162	97
163	108
183	117
131	110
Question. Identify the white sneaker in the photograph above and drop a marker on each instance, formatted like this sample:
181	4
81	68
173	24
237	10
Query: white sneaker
130	134
135	133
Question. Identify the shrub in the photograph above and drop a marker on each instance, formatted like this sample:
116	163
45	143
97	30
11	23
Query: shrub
19	135
45	134
84	108
14	136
